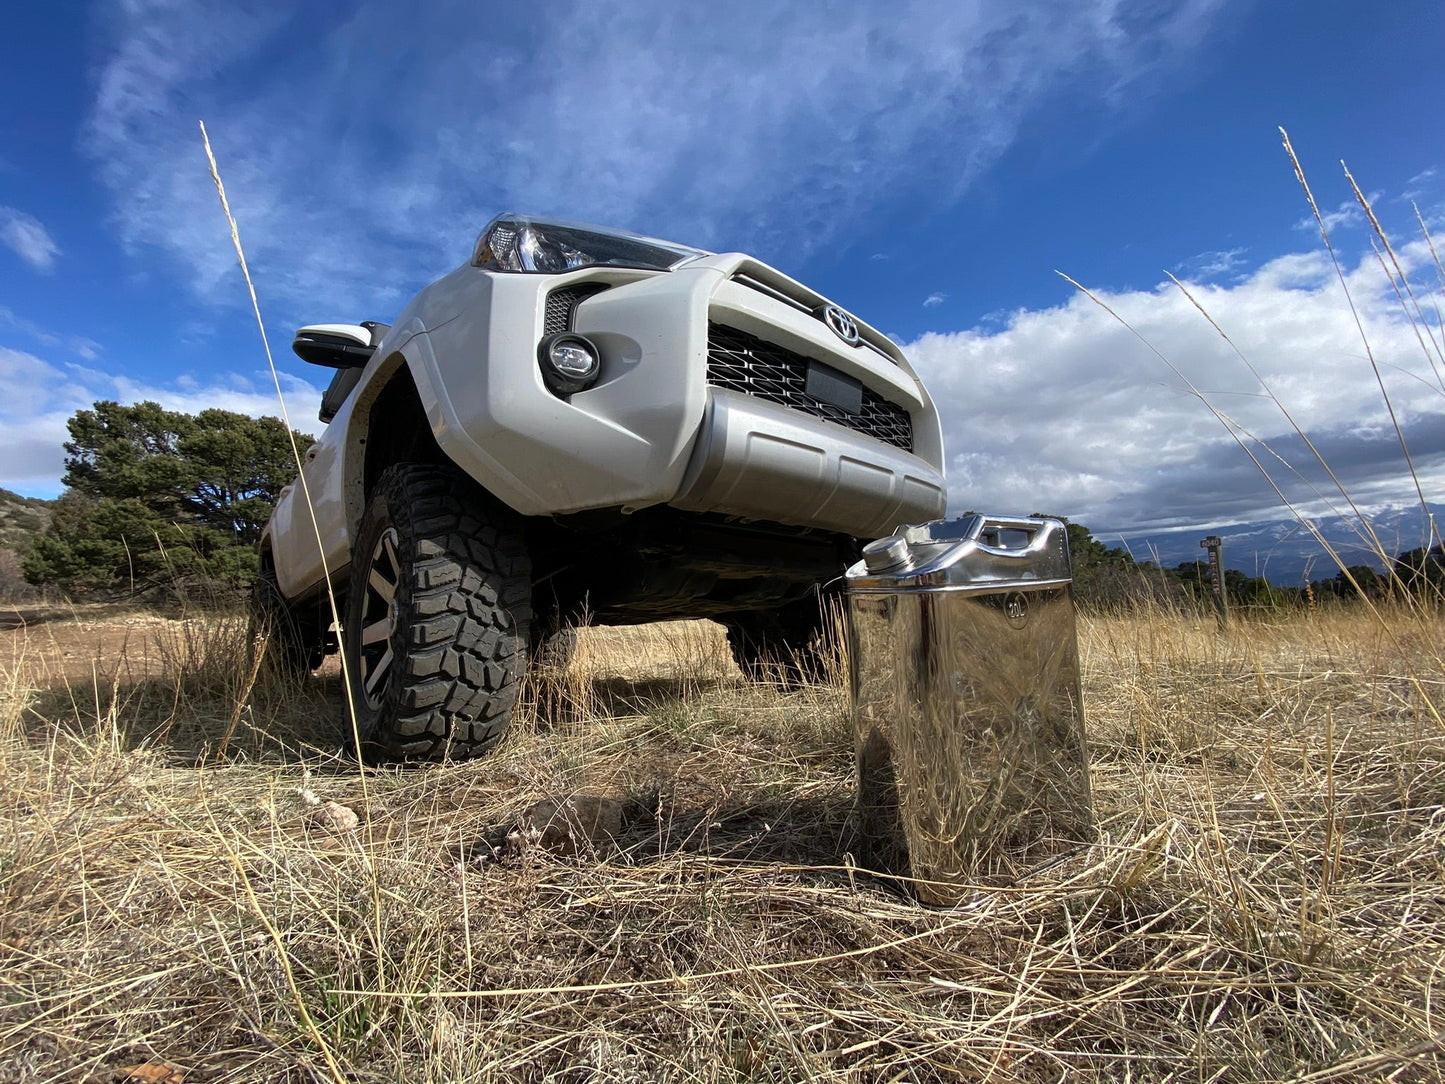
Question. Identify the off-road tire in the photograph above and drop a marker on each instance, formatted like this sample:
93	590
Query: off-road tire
790	645
287	634
434	670
553	653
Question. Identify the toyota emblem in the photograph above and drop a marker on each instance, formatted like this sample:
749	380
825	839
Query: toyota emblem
843	325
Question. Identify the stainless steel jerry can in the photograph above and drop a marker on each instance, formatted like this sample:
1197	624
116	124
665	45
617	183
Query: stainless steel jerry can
968	722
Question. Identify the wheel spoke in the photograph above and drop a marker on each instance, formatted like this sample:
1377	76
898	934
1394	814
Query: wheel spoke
388	543
377	631
381	585
379	617
383	665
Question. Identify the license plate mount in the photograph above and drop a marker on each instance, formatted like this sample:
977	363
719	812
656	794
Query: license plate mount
828	385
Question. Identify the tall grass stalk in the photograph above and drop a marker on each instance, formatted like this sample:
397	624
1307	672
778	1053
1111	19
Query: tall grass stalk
303	482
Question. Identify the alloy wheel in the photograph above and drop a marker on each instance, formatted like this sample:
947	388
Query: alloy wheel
378	618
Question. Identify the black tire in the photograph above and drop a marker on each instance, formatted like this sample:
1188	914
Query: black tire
437	617
286	633
789	645
553	653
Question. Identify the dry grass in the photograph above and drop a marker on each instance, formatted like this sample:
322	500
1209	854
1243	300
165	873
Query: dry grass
1265	902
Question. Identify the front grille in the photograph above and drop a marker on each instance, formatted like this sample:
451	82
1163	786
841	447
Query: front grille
742	362
563	302
742	278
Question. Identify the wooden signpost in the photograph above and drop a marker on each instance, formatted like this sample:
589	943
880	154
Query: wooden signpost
1215	545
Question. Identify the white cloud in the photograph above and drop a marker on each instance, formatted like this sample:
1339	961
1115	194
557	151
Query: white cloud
28	239
1421	184
1208	265
257	398
1348	215
86	348
934	300
37	398
1425	193
1065	410
358	171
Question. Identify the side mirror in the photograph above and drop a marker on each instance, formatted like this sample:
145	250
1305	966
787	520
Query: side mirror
337	346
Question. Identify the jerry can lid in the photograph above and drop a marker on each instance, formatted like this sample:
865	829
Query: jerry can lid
972	552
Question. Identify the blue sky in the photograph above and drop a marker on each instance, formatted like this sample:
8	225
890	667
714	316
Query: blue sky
929	165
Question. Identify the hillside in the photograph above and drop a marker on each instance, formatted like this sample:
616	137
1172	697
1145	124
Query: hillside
21	519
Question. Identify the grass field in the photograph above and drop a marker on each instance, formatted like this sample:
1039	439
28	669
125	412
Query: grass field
1265	901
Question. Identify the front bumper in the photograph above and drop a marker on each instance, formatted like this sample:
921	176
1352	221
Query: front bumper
654	430
764	461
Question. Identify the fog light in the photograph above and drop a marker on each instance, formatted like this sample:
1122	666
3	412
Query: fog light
569	362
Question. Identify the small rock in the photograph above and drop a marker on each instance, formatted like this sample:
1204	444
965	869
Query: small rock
335	816
149	1073
564	827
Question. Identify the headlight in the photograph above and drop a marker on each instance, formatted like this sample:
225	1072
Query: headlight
520	243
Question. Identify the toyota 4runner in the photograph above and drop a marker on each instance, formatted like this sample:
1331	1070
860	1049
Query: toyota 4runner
582	424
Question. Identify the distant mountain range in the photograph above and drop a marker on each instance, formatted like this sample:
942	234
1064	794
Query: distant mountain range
1284	550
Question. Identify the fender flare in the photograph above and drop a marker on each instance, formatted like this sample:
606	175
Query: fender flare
410	358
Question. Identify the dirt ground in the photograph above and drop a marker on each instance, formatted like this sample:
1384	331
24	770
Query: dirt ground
49	647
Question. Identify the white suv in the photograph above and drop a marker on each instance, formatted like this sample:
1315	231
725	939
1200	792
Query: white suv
584	425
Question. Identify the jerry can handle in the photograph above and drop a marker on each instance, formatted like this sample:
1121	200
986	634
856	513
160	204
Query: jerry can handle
1039	535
